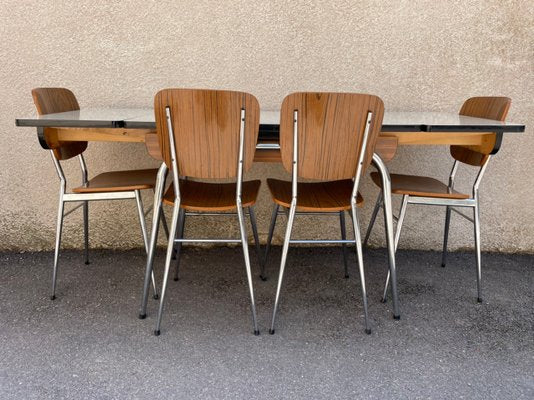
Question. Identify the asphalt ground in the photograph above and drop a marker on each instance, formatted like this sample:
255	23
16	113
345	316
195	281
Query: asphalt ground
90	344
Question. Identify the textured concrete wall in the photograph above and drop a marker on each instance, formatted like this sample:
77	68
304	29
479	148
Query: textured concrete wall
415	54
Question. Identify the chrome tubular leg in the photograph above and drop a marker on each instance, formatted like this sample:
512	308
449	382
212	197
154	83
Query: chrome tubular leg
270	237
166	230
172	235
402	213
59	228
178	247
142	223
344	237
86	230
446	236
359	250
158	193
373	219
388	214
254	225
244	243
476	212
287	237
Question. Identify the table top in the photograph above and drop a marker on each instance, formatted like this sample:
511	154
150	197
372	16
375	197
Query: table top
394	121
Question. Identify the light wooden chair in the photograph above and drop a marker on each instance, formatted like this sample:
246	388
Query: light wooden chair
116	185
327	137
429	191
205	135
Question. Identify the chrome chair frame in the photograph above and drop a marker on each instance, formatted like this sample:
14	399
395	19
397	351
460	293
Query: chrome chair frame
292	212
180	235
177	211
285	211
450	204
85	198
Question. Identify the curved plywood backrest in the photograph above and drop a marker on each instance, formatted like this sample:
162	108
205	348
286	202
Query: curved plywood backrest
206	126
495	108
57	100
54	100
330	132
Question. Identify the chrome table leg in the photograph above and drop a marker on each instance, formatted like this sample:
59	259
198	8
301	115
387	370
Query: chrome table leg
158	193
388	213
359	250
373	218
400	221
145	237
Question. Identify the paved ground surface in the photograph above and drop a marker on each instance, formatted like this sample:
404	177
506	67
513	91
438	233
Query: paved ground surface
89	343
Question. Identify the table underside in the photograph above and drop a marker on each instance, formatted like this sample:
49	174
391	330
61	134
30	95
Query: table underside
386	145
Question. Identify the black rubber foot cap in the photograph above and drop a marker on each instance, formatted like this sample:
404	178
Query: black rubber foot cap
174	257
87	263
263	278
256	333
479	300
346	277
142	316
368	331
383	300
271	331
157	332
396	317
442	265
156	296
52	297
176	279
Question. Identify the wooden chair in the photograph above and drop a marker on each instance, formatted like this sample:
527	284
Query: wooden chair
327	137
429	191
208	135
116	185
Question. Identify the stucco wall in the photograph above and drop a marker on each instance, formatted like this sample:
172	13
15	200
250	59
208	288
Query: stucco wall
415	54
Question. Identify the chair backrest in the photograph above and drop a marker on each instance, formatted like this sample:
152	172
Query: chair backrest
206	127
56	100
330	132
495	108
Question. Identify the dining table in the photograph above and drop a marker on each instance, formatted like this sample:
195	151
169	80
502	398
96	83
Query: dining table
398	128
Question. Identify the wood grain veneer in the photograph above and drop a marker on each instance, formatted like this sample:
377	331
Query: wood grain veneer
56	100
330	129
495	108
206	127
315	196
215	197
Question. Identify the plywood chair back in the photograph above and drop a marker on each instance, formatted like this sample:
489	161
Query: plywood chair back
330	132
495	108
206	126
56	100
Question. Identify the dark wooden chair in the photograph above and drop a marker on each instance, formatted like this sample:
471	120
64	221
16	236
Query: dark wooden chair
328	138
115	185
206	135
429	191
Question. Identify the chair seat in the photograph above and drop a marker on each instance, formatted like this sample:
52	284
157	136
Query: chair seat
204	196
315	196
120	181
420	186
